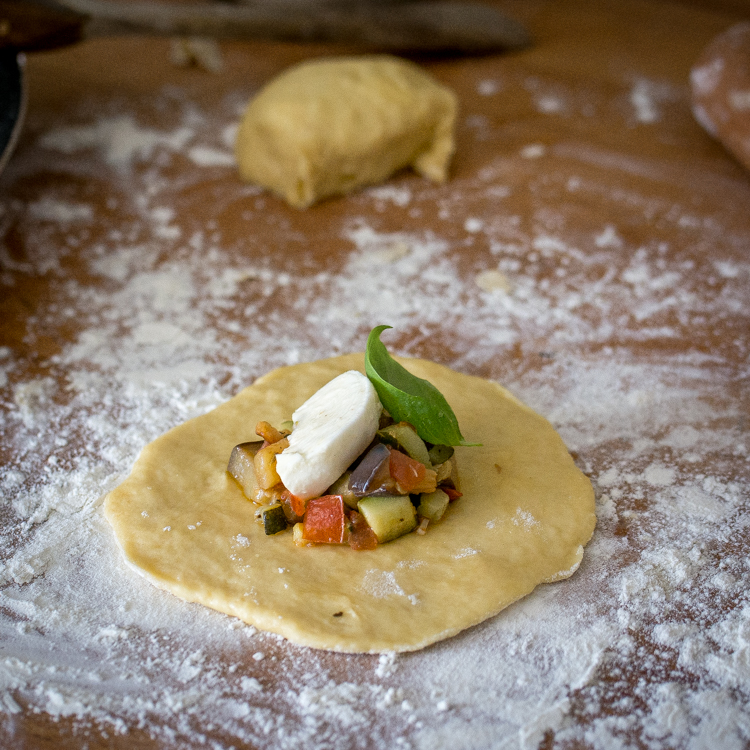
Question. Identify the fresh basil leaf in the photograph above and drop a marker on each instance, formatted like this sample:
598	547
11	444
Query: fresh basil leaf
408	398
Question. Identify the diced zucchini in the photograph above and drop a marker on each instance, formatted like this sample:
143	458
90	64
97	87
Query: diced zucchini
452	479
433	505
403	437
439	454
443	471
273	519
242	468
390	516
286	426
341	487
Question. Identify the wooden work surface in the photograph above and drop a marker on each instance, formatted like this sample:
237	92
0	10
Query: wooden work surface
590	251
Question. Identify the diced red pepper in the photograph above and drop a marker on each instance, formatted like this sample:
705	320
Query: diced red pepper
407	472
325	520
361	536
452	494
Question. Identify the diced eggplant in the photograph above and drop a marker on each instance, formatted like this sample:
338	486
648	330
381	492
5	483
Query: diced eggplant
439	454
273	519
403	437
242	468
432	505
341	487
373	475
390	516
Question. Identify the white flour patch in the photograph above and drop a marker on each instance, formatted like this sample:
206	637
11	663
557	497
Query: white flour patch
549	104
48	209
398	196
608	238
525	519
739	100
659	476
488	87
648	99
205	156
492	280
641	97
121	139
533	151
707	77
381	584
465	552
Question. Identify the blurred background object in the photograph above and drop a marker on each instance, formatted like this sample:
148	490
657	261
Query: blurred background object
432	26
720	81
425	25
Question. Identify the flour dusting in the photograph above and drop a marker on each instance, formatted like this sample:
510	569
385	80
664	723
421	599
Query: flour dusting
577	317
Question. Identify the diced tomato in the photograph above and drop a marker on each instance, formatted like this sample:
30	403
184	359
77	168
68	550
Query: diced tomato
407	472
361	536
294	507
452	494
325	520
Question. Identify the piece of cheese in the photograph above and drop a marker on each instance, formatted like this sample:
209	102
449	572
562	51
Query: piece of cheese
331	429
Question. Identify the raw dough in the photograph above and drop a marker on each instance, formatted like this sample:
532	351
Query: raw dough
328	126
526	513
721	90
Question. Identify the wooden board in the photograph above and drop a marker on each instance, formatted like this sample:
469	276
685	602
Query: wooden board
590	252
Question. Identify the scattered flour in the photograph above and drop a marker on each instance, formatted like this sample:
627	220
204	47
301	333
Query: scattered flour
662	585
533	151
381	584
121	139
204	156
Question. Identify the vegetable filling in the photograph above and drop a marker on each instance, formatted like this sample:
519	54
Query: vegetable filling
345	471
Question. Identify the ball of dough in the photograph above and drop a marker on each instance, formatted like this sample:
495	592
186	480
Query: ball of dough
721	90
329	126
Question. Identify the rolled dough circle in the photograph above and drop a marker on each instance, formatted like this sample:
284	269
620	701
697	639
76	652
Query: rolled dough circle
524	517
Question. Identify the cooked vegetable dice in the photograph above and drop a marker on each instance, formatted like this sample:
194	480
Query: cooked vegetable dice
341	487
273	519
411	476
265	464
373	474
432	505
403	437
294	507
390	516
242	468
439	454
325	520
361	536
